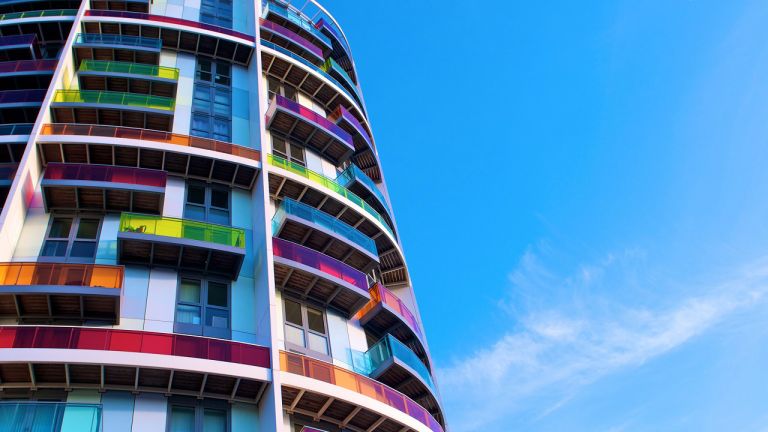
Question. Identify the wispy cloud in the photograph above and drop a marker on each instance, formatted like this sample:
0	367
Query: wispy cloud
567	331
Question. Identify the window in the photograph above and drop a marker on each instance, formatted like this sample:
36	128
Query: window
189	415
305	329
207	203
72	239
286	150
202	308
216	12
212	100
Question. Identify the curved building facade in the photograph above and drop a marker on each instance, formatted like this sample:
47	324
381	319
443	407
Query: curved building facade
196	233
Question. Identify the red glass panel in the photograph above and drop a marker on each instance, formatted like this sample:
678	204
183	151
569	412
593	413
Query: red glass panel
7	337
92	339
157	343
125	341
188	346
53	337
25	337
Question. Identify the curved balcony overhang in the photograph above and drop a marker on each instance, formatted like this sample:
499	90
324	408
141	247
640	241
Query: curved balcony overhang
387	314
106	188
115	47
180	244
340	50
19	47
113	108
365	150
349	400
287	39
60	293
53	28
182	155
354	179
312	228
301	124
121	5
312	275
279	14
176	34
290	180
10	99
135	77
137	361
397	366
311	79
13	141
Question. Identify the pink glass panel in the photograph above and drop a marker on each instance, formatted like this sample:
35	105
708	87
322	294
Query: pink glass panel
319	261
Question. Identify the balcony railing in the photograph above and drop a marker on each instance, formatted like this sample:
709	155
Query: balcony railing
103	173
7	173
119	40
16	129
329	184
100	339
115	67
169	20
379	294
22	96
326	372
292	37
150	135
324	220
49	417
28	66
307	115
18	40
330	65
55	274
296	18
352	174
342	115
38	14
389	349
319	261
182	229
114	98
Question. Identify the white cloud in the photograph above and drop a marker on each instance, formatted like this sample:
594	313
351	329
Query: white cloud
581	335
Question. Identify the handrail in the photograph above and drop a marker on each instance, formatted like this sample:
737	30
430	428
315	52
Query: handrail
331	374
317	260
101	339
85	275
129	68
323	219
115	98
329	184
182	229
150	135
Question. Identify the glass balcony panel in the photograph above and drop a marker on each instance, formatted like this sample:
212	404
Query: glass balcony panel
38	14
116	39
114	98
319	261
92	275
129	68
353	173
181	228
291	36
113	174
390	348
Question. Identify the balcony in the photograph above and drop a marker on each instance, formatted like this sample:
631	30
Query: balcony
27	67
300	123
287	39
307	77
394	364
19	47
312	228
176	33
133	77
121	5
50	416
113	108
293	21
354	179
137	361
311	274
38	14
387	314
335	70
50	26
10	99
213	161
341	51
84	187
315	404
180	244
115	47
60	293
365	153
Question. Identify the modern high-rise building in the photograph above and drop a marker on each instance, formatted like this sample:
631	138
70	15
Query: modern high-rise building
196	234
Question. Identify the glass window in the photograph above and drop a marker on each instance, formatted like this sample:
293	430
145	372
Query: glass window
188	415
287	150
305	329
207	203
73	238
203	308
212	99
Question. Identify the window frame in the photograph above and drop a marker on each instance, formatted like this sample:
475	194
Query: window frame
219	16
199	407
305	350
291	148
71	238
202	329
207	205
204	109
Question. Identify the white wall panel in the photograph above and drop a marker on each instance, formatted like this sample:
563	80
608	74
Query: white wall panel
150	413
175	195
161	300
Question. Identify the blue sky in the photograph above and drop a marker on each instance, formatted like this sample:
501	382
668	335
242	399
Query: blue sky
581	192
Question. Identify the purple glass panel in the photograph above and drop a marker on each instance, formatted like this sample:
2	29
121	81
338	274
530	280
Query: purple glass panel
315	118
104	173
19	96
170	20
341	114
319	261
25	39
291	36
27	66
